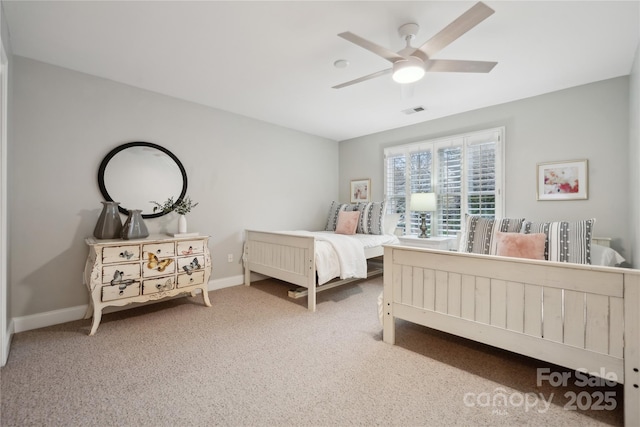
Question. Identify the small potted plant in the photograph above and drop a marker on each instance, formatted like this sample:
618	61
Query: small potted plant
182	208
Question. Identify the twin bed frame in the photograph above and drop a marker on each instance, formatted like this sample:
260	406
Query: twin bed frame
576	316
582	317
291	258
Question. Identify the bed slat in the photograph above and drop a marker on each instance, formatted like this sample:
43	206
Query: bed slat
499	303
468	308
483	300
533	310
429	282
597	333
515	306
574	318
417	297
552	314
442	279
454	293
616	334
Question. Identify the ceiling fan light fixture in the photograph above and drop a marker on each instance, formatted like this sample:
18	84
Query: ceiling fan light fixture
408	70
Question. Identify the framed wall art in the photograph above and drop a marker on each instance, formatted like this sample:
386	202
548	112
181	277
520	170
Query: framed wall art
563	180
360	190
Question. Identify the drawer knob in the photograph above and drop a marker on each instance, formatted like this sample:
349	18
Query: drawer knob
123	286
166	285
126	254
159	251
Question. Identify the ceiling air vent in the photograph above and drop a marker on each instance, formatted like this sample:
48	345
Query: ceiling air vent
414	110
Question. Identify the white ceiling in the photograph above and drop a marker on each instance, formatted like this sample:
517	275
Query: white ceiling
273	61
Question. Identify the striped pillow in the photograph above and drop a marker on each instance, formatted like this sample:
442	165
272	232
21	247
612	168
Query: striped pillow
478	233
371	217
566	241
334	209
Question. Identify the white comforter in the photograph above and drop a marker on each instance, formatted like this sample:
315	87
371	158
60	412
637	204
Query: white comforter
337	255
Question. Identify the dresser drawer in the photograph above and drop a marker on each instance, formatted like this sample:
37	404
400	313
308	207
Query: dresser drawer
123	290
190	264
189	247
155	266
119	272
120	254
196	278
153	286
160	250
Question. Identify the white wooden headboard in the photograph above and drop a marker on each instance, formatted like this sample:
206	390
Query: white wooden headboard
602	241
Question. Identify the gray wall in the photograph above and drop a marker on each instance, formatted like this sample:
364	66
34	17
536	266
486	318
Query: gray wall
586	122
245	174
5	291
634	160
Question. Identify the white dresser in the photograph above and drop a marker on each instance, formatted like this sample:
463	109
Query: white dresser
120	272
442	243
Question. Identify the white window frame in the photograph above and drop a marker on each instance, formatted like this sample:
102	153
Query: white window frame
465	140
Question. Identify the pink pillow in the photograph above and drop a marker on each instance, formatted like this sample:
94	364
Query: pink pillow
520	245
347	222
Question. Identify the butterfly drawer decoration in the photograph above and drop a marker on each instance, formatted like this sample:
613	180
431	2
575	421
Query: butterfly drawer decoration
120	273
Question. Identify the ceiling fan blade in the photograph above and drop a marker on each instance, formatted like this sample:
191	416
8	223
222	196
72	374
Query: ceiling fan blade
364	78
387	54
472	17
459	66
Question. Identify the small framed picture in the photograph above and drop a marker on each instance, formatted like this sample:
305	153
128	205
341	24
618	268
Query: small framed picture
563	180
360	190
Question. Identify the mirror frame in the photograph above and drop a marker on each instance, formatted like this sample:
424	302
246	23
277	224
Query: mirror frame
112	153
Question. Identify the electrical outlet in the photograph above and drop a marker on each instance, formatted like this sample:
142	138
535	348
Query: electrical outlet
229	257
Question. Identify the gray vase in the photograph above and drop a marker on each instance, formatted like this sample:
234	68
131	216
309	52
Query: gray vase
109	225
134	227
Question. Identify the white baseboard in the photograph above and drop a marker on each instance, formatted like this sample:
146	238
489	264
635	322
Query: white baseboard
7	343
227	282
49	318
55	317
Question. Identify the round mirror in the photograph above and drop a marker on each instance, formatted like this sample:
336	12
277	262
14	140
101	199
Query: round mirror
139	173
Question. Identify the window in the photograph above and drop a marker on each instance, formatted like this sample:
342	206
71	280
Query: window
465	172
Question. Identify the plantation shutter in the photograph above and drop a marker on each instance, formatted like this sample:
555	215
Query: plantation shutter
465	172
481	179
449	193
395	185
421	165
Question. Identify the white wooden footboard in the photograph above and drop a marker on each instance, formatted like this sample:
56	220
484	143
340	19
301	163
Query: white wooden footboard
577	316
282	256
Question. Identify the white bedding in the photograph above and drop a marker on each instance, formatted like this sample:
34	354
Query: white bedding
602	255
339	255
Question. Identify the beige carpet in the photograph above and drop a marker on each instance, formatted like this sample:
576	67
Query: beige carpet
259	358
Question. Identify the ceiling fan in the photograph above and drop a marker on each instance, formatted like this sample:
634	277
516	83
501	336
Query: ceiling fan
410	63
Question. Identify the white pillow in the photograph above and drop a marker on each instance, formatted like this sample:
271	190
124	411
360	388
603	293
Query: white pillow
602	255
391	223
